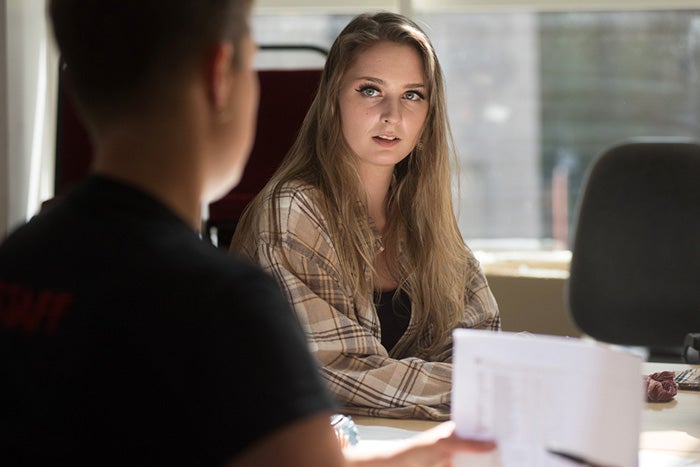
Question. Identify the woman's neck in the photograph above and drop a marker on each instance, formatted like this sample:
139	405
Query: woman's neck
376	183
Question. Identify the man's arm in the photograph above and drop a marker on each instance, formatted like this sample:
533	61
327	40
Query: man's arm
311	442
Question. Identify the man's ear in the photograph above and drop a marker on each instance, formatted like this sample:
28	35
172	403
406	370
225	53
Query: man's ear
220	80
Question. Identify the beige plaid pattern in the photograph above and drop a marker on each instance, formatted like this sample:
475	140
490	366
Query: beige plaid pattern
344	335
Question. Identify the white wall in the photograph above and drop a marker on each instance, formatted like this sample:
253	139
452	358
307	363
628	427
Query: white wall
28	71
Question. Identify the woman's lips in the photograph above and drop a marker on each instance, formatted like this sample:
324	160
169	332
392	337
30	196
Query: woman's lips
385	142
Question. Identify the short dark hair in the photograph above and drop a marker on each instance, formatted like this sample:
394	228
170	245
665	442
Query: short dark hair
120	53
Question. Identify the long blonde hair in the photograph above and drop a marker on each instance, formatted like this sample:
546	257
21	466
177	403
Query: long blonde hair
436	267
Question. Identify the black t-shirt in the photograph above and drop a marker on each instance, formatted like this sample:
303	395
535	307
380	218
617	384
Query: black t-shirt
127	340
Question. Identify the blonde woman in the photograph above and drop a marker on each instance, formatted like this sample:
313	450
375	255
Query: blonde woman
358	226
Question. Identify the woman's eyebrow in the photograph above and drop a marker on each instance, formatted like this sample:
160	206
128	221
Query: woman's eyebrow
373	79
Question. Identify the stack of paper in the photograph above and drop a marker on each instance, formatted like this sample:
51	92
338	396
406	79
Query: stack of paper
536	395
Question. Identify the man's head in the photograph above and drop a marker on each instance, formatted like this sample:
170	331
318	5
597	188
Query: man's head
122	54
171	78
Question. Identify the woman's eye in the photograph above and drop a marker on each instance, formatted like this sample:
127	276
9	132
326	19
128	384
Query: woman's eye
413	96
368	91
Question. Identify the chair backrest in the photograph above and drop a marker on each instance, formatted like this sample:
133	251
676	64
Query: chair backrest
635	267
285	97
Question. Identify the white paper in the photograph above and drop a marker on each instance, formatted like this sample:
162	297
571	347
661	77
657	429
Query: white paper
531	393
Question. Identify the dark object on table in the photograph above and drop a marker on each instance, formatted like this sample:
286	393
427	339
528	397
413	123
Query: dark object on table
688	379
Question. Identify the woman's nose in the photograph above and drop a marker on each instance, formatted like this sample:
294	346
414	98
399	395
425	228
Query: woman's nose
391	112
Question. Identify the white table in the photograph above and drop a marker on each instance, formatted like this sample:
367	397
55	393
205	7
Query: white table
669	437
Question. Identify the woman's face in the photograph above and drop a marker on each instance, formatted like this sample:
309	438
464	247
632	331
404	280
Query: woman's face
383	104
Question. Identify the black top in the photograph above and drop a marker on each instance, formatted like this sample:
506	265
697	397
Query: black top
127	340
394	316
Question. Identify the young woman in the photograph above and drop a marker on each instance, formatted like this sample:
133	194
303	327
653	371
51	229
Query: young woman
358	226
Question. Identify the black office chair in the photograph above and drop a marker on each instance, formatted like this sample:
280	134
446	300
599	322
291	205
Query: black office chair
635	266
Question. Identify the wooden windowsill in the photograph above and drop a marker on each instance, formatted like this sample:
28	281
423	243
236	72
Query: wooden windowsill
532	264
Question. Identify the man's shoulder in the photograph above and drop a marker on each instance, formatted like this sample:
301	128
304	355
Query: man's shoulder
198	259
37	239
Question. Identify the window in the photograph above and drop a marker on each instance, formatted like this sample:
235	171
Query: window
534	97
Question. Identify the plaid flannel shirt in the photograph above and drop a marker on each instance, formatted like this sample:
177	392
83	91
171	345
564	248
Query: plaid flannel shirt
343	335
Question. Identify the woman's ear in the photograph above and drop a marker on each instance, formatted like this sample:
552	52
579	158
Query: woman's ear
220	80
